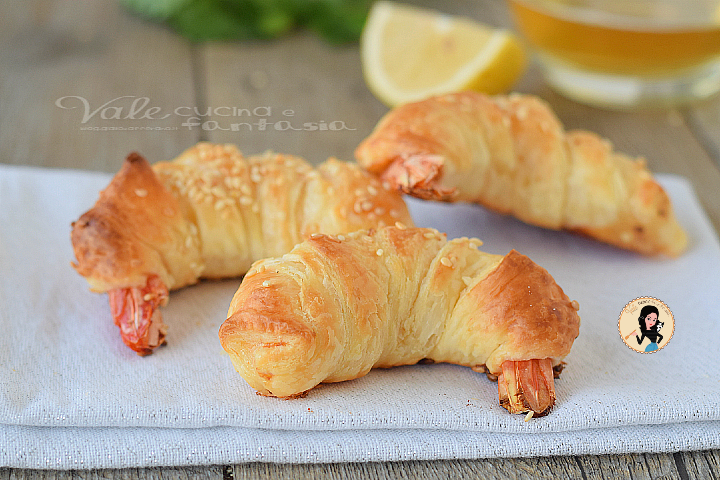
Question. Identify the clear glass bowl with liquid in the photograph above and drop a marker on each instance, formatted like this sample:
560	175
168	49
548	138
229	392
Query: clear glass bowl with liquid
625	53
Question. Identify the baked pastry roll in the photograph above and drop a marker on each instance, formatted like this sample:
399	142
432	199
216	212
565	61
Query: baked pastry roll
512	155
336	306
210	213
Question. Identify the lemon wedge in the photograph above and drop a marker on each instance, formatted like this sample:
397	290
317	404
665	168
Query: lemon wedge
410	53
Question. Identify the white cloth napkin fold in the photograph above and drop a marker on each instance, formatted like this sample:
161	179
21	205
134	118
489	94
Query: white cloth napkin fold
72	395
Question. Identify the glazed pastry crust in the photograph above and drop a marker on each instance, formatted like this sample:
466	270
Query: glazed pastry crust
336	306
512	155
211	212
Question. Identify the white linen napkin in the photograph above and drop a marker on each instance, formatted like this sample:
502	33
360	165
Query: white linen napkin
72	395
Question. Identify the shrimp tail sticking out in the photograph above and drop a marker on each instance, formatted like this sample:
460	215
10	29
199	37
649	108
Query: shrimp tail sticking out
418	175
136	312
526	386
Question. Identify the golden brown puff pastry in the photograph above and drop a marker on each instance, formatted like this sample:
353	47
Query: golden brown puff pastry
336	306
210	213
512	155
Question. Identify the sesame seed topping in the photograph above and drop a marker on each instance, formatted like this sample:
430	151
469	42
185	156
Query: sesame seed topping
341	237
394	213
266	283
316	235
141	192
467	280
148	296
429	235
446	261
367	205
379	252
372	190
400	225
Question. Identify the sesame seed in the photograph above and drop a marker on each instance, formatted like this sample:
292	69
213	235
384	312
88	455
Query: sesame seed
529	415
372	190
379	252
141	192
467	280
429	235
446	261
394	213
246	201
400	225
148	296
367	205
379	211
266	283
341	237
316	235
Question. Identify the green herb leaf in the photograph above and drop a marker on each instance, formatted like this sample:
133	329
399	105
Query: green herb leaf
337	21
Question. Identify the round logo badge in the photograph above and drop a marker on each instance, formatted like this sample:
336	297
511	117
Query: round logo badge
646	325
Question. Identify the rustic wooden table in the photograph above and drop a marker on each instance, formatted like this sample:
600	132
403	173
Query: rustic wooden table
83	83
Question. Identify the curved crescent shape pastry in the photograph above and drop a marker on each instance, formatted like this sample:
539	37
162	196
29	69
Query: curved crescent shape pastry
512	155
336	306
210	213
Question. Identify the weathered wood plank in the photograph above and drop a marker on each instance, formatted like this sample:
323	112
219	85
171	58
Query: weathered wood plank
704	464
296	95
638	466
704	121
94	52
537	468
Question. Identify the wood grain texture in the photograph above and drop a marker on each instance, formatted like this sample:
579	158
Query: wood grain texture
298	95
705	464
68	51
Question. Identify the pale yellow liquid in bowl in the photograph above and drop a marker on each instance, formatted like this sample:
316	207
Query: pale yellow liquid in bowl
625	41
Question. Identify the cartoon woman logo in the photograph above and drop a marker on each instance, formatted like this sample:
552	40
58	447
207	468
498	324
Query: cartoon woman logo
642	331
